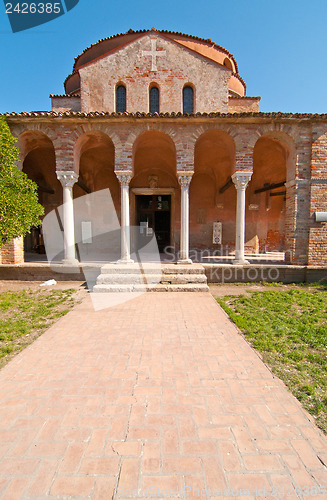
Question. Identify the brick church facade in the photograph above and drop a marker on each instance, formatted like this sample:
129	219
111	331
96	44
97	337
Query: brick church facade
162	119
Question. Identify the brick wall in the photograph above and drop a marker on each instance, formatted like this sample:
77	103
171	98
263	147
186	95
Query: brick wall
243	104
176	68
13	252
318	197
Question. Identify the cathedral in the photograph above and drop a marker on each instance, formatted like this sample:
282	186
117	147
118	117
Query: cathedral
163	121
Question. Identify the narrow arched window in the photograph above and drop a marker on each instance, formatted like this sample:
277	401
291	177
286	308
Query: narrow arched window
154	100
188	99
120	99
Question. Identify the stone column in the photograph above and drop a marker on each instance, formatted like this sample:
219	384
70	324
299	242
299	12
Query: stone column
68	179
184	180
124	177
241	180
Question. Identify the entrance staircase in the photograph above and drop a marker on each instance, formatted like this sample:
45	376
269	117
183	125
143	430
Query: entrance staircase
148	277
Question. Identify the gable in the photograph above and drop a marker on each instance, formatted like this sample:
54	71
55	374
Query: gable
154	59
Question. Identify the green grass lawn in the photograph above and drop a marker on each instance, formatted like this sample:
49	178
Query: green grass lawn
289	328
24	316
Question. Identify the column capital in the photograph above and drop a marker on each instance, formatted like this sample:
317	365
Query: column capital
241	179
184	178
67	177
124	176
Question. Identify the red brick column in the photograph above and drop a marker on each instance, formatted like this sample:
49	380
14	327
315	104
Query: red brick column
298	202
317	254
13	252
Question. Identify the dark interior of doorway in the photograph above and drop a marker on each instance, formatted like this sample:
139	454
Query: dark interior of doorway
33	241
153	217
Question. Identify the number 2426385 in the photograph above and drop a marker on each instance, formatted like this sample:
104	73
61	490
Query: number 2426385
33	8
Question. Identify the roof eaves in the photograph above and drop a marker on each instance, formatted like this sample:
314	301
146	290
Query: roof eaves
98	114
64	95
249	98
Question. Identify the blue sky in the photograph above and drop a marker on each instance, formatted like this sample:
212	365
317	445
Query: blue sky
280	46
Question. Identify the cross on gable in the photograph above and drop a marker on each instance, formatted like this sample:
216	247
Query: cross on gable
153	53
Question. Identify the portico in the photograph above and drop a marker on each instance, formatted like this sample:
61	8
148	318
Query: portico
164	191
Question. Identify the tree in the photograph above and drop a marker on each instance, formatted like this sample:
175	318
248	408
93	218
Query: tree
19	206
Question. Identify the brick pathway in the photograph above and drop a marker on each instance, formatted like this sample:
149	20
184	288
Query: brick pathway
160	394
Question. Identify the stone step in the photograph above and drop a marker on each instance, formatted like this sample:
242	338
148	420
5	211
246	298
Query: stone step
188	287
150	278
152	268
128	279
182	269
136	268
183	278
154	277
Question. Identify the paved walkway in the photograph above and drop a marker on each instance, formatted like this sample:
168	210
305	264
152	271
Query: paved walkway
160	394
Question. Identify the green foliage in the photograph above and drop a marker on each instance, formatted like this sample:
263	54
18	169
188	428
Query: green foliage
289	328
19	206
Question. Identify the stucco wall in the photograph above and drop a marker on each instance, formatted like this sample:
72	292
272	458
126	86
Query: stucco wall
60	104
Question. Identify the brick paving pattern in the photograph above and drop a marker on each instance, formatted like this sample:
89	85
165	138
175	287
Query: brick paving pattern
159	394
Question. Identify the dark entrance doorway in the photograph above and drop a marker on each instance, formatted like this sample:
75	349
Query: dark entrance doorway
153	217
33	241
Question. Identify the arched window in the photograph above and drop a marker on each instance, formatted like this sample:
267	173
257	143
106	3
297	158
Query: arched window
188	99
120	99
154	100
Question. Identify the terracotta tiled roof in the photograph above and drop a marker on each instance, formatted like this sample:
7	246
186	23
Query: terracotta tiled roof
112	43
64	95
97	114
167	32
69	76
253	98
241	80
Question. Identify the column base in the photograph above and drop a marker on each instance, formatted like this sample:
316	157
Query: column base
184	261
125	261
240	262
70	262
